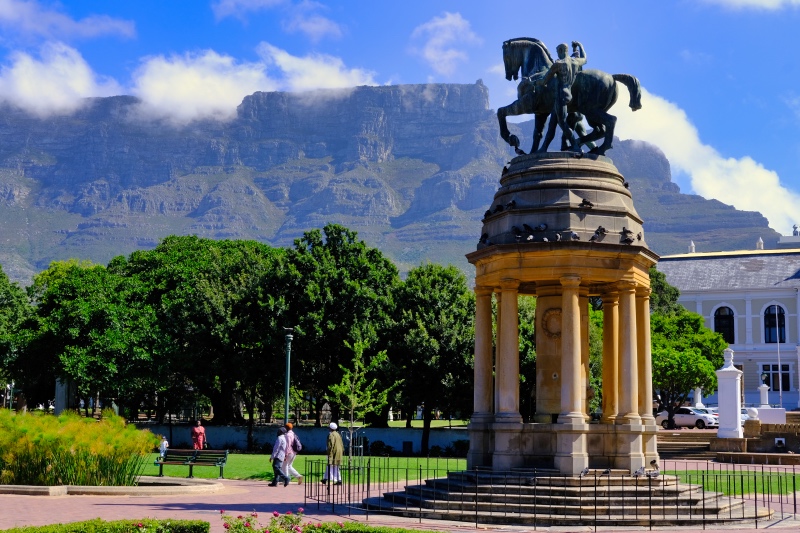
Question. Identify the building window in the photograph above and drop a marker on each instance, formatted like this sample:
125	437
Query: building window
770	374
771	329
723	323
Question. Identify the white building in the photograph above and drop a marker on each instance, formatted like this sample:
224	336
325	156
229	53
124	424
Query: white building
752	298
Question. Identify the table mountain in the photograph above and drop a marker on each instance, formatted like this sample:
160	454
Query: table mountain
412	168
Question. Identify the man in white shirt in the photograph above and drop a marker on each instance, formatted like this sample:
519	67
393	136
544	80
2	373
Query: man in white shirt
277	458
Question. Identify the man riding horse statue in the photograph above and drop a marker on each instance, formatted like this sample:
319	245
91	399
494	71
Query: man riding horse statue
563	91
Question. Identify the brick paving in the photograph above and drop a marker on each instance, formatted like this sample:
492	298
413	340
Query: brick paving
245	497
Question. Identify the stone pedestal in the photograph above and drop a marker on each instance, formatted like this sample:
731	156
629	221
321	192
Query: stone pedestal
729	381
563	227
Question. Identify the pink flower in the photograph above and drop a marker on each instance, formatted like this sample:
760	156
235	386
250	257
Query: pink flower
276	514
247	524
222	511
240	516
254	514
139	525
299	509
226	525
288	512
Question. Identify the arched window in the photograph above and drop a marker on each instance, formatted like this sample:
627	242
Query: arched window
774	329
723	323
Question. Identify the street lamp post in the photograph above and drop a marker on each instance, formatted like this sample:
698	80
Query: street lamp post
288	338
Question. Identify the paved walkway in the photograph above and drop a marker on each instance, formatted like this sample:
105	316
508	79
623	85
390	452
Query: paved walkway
242	497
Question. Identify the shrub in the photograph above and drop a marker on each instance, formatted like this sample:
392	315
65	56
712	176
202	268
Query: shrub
279	523
435	451
379	448
461	447
70	450
120	526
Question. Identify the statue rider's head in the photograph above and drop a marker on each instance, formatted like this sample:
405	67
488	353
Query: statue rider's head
562	50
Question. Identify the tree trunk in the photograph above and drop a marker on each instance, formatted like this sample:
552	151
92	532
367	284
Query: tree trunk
427	416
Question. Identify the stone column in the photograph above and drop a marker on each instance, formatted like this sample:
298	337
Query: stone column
629	373
571	405
644	357
610	357
479	430
482	396
507	366
571	456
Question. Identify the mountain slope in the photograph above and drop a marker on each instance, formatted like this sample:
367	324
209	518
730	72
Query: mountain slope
411	168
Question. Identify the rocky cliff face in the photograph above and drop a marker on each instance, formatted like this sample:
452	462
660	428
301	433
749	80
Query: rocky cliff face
411	168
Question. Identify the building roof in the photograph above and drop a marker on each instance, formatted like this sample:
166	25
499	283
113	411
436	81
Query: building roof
738	270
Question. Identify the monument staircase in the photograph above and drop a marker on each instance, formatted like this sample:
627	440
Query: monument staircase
686	444
548	498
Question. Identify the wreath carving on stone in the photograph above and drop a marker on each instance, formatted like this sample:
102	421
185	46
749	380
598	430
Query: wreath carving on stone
551	322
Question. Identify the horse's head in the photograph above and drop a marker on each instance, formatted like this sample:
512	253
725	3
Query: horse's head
527	54
511	60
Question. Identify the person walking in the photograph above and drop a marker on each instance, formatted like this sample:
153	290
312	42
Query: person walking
293	447
198	436
277	458
335	450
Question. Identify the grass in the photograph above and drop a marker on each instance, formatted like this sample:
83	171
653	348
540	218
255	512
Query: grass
434	423
732	484
258	467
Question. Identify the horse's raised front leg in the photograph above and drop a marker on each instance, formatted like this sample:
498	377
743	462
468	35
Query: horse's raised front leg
512	109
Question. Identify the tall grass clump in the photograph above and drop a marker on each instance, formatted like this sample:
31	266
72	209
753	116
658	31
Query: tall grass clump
71	450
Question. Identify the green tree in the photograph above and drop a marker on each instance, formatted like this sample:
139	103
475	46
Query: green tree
527	356
220	310
683	340
339	291
360	391
14	308
678	371
433	342
664	297
89	327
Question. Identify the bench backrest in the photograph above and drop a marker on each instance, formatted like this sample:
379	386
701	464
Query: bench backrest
179	455
211	457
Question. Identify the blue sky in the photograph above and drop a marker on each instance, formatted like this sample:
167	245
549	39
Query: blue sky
721	77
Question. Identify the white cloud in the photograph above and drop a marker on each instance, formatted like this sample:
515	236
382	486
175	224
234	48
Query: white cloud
743	182
30	18
314	26
442	42
238	8
56	82
194	86
316	71
756	4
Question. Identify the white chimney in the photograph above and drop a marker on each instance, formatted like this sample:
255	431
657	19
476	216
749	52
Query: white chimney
691	247
759	244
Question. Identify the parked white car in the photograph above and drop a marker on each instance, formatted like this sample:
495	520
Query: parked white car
689	417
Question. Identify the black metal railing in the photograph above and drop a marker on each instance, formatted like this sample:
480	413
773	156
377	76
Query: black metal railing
697	492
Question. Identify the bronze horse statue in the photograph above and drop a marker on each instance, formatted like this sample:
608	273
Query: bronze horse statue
593	94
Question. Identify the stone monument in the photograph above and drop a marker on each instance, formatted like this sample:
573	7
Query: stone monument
563	227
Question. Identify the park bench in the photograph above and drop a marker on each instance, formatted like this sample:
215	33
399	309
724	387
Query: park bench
192	458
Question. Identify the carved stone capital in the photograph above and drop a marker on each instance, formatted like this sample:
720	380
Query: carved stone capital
570	281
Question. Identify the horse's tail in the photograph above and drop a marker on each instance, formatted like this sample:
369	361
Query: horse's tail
634	89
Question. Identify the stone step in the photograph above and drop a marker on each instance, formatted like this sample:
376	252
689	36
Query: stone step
633	516
712	504
614	495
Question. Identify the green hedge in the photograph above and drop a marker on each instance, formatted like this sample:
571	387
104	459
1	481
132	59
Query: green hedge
120	526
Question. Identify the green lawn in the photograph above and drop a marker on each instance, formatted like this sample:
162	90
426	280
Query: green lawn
741	483
257	466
